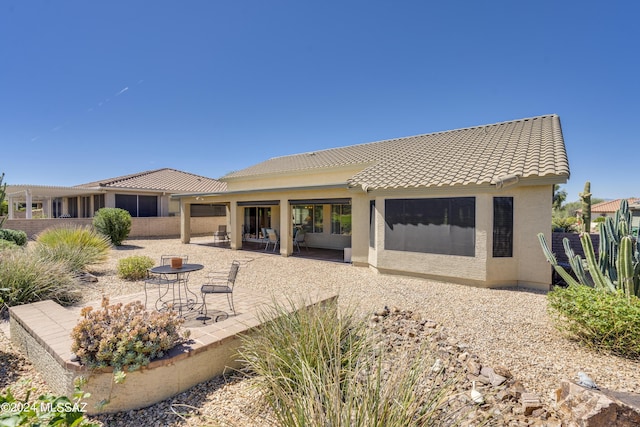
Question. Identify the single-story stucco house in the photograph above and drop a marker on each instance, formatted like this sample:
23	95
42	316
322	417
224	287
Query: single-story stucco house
463	205
143	194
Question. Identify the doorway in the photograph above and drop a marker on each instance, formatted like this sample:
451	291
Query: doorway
255	219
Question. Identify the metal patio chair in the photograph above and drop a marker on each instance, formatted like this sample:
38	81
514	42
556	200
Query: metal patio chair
217	284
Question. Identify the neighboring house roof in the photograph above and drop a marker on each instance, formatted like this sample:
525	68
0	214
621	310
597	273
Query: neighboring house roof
531	147
611	206
166	179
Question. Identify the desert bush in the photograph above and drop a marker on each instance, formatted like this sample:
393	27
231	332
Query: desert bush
29	279
124	337
114	223
18	237
134	267
319	367
608	321
78	247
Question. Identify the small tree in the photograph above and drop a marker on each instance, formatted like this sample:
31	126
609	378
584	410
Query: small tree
113	222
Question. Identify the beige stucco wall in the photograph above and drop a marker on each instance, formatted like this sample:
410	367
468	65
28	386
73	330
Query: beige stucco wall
464	269
527	267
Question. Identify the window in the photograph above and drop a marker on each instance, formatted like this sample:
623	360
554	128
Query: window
438	226
341	219
138	206
503	227
85	203
56	207
98	202
72	207
202	210
372	224
147	206
308	217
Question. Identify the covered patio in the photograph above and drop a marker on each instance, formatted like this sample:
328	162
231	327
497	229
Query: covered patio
320	254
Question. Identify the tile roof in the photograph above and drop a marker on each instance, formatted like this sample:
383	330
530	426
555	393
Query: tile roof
166	179
528	147
611	205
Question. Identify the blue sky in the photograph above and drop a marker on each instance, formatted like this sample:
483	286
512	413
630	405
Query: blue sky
91	90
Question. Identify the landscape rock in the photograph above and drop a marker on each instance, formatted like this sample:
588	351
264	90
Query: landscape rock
589	407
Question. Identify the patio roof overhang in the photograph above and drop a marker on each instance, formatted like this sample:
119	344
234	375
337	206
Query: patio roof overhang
262	190
38	192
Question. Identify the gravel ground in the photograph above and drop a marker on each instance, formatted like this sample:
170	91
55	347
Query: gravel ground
502	327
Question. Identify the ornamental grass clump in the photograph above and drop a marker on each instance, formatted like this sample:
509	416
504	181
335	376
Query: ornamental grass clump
76	246
134	267
125	336
319	366
28	278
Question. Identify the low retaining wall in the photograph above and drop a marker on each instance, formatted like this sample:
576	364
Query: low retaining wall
168	226
42	332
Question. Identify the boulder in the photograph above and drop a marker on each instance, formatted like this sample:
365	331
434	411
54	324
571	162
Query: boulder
589	407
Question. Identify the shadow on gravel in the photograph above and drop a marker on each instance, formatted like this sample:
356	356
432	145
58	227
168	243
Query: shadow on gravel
127	247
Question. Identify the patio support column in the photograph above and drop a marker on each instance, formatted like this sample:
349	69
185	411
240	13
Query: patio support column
28	208
11	207
235	216
360	229
185	221
286	228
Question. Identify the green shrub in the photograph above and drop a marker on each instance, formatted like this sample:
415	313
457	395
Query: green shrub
114	223
319	367
78	247
134	267
45	410
31	279
124	337
607	321
564	224
18	237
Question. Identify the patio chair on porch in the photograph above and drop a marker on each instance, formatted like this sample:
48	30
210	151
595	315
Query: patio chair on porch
298	240
274	239
162	281
221	235
265	237
217	284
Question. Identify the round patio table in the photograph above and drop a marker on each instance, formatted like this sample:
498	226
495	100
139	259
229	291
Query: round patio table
181	299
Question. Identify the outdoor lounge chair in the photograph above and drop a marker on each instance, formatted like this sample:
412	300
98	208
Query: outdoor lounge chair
219	284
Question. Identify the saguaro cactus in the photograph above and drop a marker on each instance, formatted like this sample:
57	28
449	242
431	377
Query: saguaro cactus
3	188
617	264
585	196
